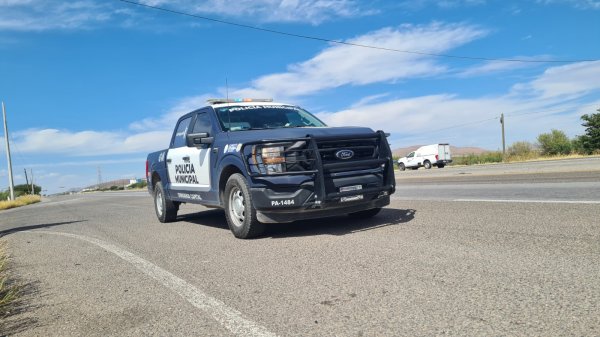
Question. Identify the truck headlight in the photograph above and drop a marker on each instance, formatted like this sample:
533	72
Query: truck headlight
273	158
273	155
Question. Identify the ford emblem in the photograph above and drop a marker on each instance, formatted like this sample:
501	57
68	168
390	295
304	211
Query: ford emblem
344	154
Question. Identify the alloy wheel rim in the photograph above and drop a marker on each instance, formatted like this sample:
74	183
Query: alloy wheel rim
237	207
159	204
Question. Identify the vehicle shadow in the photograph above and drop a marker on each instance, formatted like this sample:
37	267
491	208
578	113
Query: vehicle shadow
213	218
31	227
340	225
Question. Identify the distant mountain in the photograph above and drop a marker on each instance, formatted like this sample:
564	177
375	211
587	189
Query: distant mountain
456	150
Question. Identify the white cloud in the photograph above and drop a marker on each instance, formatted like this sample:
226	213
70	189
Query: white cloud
311	11
579	4
494	67
567	81
340	65
89	143
94	163
555	99
443	4
39	15
167	120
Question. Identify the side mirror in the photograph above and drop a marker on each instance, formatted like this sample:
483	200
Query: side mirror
199	139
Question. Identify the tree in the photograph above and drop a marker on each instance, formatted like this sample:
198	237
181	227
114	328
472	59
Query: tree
26	189
554	143
590	141
20	190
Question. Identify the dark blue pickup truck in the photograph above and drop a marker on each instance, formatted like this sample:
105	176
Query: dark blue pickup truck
266	162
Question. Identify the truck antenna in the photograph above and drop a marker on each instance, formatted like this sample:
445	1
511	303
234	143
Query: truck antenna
227	96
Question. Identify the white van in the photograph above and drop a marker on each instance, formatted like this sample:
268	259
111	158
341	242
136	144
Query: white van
427	156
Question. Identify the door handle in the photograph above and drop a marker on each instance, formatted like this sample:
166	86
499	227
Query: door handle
168	161
186	158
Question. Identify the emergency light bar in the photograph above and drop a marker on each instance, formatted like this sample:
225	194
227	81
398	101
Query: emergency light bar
237	100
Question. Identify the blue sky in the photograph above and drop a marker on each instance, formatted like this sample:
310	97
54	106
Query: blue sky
91	84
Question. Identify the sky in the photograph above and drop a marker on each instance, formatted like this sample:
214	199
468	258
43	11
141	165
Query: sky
94	85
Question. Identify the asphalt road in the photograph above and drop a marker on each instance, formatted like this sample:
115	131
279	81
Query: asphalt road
464	261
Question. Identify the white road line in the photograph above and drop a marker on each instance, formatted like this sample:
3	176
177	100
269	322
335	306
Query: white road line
230	318
532	201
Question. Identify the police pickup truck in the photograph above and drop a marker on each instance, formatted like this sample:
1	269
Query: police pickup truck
266	162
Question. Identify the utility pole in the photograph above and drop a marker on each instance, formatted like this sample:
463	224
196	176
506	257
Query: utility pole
503	141
99	177
26	180
32	185
11	184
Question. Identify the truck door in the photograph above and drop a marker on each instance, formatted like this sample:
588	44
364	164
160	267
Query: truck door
444	152
410	159
201	156
189	166
178	157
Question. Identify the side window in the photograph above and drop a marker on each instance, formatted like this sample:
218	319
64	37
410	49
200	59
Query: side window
181	132
203	123
410	155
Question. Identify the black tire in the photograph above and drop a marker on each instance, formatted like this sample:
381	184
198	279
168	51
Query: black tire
166	210
427	164
239	210
369	213
401	167
441	165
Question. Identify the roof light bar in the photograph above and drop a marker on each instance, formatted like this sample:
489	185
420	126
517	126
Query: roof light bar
237	100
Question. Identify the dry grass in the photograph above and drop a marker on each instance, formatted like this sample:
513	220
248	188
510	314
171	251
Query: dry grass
545	158
8	292
20	201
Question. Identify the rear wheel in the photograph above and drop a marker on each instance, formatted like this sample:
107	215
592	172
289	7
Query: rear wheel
427	164
239	210
441	165
166	210
365	214
401	167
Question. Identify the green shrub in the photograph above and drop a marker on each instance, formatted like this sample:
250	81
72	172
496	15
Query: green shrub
554	143
522	151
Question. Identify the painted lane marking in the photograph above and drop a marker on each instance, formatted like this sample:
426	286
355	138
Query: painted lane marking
230	318
532	201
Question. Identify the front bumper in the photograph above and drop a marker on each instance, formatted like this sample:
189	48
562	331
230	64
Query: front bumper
328	210
328	187
345	195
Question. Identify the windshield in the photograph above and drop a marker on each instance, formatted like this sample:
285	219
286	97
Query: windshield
253	117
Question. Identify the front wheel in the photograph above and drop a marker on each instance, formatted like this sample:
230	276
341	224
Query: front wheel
401	167
365	214
166	210
427	164
239	210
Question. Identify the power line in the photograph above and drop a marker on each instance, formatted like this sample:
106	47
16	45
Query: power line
464	124
316	38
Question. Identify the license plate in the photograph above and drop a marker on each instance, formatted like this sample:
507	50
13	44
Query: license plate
352	198
351	188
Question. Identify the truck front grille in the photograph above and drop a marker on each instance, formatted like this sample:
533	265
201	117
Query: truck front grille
361	149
